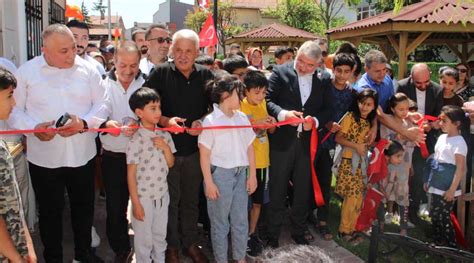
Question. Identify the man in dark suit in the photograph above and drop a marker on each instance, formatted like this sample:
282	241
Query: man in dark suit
429	98
295	90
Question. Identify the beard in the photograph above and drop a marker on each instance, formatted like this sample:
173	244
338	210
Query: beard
144	50
80	50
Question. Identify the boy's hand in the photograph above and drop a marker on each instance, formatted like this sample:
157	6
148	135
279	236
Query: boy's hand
251	185
160	143
212	192
138	212
45	136
361	149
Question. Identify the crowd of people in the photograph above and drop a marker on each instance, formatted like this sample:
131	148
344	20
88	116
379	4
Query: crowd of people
155	100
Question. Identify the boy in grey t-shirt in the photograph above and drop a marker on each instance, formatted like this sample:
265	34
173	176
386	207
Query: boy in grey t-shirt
149	156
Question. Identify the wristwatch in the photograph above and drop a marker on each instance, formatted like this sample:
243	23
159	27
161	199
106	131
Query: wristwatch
85	127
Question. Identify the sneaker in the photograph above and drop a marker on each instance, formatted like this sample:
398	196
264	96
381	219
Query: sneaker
254	245
423	211
95	238
388	218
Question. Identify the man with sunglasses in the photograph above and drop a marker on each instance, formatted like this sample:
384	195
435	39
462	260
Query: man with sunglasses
159	42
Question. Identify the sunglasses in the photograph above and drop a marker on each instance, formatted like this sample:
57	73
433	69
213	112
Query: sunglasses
462	70
161	40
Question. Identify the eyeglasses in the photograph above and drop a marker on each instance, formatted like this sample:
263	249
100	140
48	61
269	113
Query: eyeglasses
462	70
161	40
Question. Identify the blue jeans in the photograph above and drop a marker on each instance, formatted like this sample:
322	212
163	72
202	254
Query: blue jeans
231	204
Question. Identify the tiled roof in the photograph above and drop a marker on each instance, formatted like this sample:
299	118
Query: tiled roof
428	11
254	4
276	31
95	20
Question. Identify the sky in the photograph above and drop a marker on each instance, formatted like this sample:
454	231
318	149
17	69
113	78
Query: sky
130	10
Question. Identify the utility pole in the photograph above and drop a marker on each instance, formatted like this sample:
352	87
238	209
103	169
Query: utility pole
109	21
215	25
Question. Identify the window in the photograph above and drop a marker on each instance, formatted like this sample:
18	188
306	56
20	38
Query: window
366	11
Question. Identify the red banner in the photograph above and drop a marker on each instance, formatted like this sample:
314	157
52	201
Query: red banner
423	148
208	34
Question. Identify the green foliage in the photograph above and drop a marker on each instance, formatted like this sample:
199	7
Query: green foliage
85	13
434	67
395	5
226	25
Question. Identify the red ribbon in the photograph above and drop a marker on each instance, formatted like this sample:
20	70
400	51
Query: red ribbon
318	196
423	148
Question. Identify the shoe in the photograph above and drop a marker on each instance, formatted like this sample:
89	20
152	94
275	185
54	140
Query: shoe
195	253
254	245
123	257
388	218
273	243
172	255
95	238
300	240
410	225
423	211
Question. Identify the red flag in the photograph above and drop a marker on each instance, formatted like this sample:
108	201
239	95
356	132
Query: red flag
74	11
208	35
423	149
378	169
369	209
458	231
204	3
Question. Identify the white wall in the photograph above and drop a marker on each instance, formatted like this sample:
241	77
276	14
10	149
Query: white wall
14	31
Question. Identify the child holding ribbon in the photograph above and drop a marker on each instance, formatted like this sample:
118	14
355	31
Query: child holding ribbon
350	176
228	166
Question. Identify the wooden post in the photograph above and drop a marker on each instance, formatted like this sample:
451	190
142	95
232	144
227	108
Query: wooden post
394	43
415	43
464	52
402	55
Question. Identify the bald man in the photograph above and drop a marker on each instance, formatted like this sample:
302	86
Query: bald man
50	85
429	97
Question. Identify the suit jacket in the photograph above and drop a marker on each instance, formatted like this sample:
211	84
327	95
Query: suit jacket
284	94
433	103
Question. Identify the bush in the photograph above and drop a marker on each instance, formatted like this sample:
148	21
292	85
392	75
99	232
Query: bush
434	66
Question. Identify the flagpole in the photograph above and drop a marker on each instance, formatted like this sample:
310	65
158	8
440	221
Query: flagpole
215	25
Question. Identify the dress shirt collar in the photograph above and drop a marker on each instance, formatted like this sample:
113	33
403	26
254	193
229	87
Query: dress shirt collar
173	67
113	76
218	113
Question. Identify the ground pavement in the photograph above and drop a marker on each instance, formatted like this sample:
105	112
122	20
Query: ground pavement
338	253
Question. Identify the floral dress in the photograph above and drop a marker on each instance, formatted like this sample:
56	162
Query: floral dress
350	182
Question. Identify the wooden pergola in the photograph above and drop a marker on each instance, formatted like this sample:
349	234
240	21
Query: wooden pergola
430	22
271	35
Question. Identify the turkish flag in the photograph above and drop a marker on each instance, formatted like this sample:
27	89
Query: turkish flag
368	213
204	3
378	169
208	34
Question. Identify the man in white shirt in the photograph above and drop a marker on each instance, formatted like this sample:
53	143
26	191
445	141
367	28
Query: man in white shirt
120	84
80	30
159	42
50	85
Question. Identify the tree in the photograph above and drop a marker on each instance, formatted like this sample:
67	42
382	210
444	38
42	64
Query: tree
98	6
327	11
296	13
395	5
226	25
85	13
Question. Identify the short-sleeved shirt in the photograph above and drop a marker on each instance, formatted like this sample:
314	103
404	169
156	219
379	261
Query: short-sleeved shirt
261	145
447	147
228	146
10	203
152	167
354	131
455	100
384	89
182	97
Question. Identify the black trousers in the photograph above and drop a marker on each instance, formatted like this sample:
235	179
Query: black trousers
292	164
417	194
323	164
184	180
114	173
441	220
49	185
